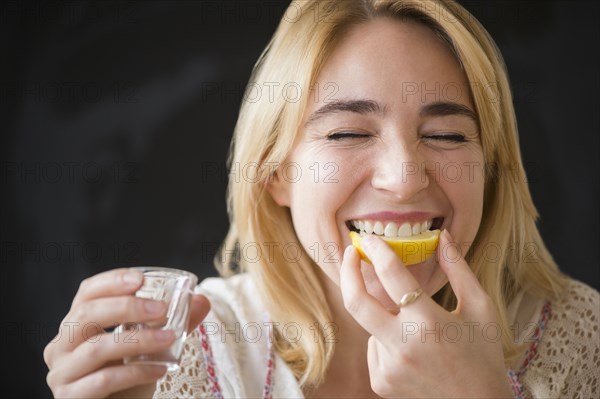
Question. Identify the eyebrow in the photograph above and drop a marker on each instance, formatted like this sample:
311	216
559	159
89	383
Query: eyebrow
356	106
444	108
438	108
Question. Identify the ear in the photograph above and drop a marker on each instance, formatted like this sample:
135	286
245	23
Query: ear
278	188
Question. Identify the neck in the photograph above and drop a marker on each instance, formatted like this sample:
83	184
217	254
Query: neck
350	335
347	373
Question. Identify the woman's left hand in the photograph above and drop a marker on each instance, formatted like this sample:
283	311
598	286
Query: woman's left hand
424	350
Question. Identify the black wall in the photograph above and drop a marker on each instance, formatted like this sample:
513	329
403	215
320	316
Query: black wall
116	118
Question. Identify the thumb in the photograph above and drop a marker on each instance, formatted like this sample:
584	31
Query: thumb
199	308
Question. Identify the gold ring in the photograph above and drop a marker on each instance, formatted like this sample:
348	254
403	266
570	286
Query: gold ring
410	297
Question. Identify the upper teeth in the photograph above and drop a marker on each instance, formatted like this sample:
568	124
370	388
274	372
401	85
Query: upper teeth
391	229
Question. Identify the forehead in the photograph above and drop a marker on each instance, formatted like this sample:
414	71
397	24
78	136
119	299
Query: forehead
394	62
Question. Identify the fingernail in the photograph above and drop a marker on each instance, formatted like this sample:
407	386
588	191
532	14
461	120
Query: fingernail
153	306
348	250
367	242
156	370
163	335
447	235
132	278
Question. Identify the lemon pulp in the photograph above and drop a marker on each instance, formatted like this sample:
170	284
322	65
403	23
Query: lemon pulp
410	250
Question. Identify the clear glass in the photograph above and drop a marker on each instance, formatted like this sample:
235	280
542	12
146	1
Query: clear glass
174	287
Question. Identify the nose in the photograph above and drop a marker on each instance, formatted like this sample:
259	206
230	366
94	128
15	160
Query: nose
400	171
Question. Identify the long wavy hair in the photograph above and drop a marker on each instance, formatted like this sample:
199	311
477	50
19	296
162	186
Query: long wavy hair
268	124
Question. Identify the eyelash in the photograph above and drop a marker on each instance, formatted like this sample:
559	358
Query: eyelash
344	135
453	138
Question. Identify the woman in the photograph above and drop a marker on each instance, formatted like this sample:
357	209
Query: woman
380	116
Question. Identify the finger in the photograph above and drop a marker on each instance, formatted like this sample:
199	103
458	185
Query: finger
100	350
112	379
199	308
394	276
374	365
372	355
111	283
90	318
464	283
365	309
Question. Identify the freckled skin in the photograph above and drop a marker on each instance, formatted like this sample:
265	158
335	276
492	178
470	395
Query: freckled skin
386	61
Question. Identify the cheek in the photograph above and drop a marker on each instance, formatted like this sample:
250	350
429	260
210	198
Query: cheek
317	193
323	188
321	180
463	184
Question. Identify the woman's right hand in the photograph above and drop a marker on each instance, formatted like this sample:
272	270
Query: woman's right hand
85	361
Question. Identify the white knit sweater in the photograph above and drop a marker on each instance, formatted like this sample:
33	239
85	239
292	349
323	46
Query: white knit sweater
563	363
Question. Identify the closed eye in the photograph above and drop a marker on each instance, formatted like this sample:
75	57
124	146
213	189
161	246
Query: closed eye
345	135
452	138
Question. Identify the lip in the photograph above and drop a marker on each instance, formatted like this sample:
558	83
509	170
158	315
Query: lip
397	217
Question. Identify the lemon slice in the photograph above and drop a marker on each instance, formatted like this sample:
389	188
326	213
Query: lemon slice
411	250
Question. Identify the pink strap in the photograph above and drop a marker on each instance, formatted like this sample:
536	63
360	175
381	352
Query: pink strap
211	367
513	377
268	385
210	364
537	335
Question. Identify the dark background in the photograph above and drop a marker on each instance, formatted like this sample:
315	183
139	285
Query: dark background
116	118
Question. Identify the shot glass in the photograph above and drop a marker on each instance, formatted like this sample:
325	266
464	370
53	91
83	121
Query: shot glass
175	288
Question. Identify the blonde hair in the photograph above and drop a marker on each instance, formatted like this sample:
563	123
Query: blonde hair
267	128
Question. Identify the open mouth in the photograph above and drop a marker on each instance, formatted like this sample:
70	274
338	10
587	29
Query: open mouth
394	229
